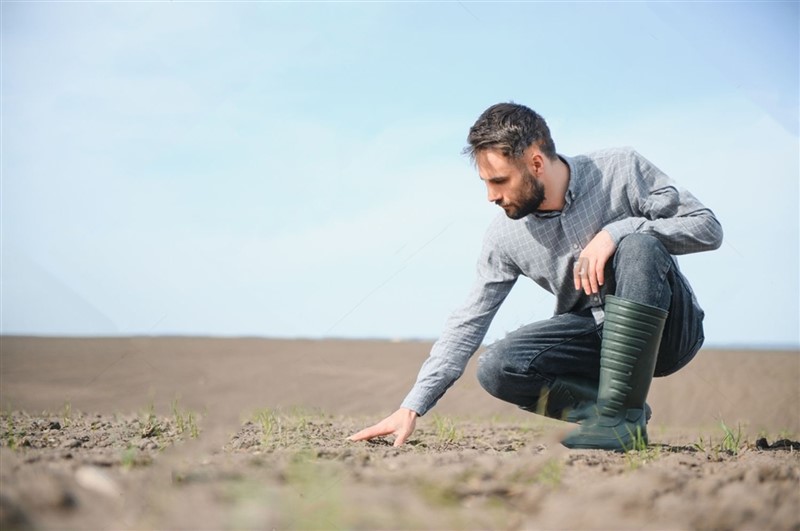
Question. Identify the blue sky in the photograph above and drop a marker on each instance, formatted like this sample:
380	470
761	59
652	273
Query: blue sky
294	169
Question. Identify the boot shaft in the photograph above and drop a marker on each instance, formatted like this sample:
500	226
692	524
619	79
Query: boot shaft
631	337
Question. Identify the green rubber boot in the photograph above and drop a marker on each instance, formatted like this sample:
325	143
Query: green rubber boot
566	396
575	400
588	410
631	337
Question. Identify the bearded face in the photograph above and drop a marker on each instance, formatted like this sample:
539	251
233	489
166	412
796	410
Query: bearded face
511	183
526	199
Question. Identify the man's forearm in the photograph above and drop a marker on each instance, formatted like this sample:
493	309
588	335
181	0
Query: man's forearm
700	231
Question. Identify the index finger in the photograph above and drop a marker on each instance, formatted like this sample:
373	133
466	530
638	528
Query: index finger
369	433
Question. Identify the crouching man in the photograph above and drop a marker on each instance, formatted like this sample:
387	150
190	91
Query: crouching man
600	232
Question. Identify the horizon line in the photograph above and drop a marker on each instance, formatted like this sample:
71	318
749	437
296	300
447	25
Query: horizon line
408	339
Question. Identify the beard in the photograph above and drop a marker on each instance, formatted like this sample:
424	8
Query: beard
530	199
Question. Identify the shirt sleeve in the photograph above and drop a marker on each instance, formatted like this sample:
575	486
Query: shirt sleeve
465	329
661	208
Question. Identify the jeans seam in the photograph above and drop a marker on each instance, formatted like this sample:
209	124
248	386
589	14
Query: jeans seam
535	357
663	280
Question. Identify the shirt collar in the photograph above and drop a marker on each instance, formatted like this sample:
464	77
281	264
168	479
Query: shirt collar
574	188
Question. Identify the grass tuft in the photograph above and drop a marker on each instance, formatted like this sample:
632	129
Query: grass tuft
731	442
66	414
185	421
638	452
446	431
9	438
271	424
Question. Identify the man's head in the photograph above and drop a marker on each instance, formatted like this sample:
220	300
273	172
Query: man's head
512	148
510	128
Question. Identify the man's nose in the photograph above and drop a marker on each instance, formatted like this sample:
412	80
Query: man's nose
492	195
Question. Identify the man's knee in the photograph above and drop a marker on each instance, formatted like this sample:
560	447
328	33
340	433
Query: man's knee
508	378
641	268
639	246
640	254
490	370
500	371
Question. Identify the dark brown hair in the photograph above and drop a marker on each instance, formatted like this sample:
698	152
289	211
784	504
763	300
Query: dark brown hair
510	128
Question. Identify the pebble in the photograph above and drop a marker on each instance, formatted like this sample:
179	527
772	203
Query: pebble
96	480
148	444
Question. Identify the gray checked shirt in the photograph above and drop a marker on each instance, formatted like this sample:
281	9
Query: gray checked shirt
617	190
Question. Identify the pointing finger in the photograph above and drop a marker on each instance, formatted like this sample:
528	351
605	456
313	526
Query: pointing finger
369	433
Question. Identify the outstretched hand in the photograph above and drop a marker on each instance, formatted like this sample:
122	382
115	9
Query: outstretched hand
401	424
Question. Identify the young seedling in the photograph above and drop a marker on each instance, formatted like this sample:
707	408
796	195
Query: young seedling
700	445
66	414
185	421
177	414
270	422
8	436
639	452
446	430
194	429
731	442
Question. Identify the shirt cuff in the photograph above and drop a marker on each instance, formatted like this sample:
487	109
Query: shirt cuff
415	403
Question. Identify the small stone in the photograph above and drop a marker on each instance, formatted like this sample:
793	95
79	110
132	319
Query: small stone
96	480
54	425
147	444
72	443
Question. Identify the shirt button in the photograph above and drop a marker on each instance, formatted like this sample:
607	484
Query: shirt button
575	246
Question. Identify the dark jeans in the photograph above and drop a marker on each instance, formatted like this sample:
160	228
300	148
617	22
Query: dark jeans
522	365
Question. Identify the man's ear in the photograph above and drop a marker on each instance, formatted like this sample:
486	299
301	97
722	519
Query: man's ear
534	160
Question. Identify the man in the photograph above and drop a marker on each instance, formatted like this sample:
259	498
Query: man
599	231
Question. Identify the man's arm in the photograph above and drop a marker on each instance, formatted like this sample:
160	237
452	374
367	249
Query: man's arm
663	209
658	207
463	334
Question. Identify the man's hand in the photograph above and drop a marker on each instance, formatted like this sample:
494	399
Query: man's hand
591	263
400	424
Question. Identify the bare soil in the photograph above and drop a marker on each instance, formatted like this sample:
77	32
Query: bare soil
296	470
247	434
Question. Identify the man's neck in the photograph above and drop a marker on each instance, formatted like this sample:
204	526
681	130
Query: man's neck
556	183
